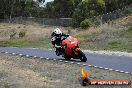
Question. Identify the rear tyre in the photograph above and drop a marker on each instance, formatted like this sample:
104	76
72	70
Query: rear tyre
82	56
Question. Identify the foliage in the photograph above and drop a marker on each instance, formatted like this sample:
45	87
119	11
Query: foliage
130	29
79	10
86	23
116	4
80	13
87	9
14	8
76	2
13	34
22	34
60	8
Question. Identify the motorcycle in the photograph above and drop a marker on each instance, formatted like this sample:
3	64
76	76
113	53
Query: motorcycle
69	48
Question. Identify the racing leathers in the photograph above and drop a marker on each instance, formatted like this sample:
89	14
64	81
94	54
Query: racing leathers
56	40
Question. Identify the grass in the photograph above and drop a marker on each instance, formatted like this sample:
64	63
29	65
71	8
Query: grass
35	35
116	44
115	40
21	72
114	35
26	43
129	29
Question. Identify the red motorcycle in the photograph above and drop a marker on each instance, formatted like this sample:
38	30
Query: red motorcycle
70	49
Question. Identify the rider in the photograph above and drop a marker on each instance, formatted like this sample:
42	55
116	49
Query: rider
57	36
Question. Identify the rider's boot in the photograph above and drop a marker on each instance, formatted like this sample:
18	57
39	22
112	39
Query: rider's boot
57	52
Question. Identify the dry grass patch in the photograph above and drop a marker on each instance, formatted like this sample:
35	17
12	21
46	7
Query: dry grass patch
33	31
20	72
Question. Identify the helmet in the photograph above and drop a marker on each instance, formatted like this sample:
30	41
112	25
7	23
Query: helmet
57	31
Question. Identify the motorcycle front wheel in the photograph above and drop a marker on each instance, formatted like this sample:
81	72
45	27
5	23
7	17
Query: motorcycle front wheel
82	56
66	57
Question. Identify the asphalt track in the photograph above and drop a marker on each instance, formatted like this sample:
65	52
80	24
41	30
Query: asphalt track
112	62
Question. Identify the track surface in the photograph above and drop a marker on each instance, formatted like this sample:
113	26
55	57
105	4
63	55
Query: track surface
121	63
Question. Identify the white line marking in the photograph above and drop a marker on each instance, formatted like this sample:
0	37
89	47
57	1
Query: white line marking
60	60
33	48
34	56
20	54
117	70
127	72
66	61
13	47
122	71
49	49
100	67
13	53
47	58
119	55
111	69
95	66
41	57
106	68
84	64
72	62
27	55
6	52
78	63
89	65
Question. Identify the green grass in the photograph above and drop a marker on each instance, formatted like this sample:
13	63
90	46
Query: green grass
26	43
122	41
129	10
93	42
119	40
129	29
116	44
120	45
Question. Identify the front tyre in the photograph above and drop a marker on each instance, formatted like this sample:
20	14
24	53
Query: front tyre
67	58
82	56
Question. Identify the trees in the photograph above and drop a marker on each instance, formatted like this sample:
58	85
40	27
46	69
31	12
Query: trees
87	9
14	8
116	4
76	2
60	8
50	10
6	8
79	10
80	13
